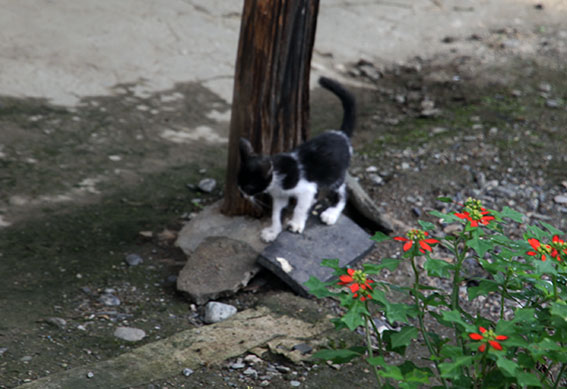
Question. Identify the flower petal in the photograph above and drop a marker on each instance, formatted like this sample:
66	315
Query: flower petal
408	245
534	243
501	337
344	279
475	336
424	245
482	329
495	344
482	347
401	238
354	287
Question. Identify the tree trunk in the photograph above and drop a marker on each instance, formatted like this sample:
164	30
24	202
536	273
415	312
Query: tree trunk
270	105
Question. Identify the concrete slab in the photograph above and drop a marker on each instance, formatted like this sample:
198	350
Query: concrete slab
187	349
219	267
295	258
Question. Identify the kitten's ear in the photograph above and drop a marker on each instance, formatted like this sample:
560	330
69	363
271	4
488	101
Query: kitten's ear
245	149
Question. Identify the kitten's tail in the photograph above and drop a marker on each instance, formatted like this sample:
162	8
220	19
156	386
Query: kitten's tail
348	101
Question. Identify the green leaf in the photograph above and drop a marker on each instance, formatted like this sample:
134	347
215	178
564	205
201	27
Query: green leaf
506	365
414	374
340	355
552	230
355	315
426	226
380	237
484	288
453	369
404	337
528	379
479	245
438	268
545	267
455	317
386	263
559	309
332	263
319	288
512	214
399	312
445	199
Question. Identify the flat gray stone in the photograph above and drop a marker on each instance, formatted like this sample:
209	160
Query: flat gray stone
296	257
218	267
211	222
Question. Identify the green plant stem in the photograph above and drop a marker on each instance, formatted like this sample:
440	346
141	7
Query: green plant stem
378	336
460	256
420	316
554	281
563	367
369	347
502	294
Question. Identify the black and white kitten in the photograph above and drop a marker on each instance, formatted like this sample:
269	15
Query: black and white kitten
320	163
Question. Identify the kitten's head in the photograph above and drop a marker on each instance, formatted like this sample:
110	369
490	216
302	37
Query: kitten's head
256	171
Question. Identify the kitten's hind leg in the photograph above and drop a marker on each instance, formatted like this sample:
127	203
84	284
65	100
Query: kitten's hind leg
331	214
270	234
305	200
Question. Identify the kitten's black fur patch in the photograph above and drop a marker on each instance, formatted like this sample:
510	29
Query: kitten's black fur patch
319	163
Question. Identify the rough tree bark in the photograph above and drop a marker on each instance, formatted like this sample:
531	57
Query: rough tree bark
270	105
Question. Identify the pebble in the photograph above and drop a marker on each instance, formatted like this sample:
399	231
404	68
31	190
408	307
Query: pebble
3	350
109	300
553	103
560	199
215	312
57	322
129	334
252	359
26	358
376	179
371	169
250	372
545	87
294	384
207	185
133	259
237	365
187	372
90	374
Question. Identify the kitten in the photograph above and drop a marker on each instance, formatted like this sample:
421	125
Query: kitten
320	163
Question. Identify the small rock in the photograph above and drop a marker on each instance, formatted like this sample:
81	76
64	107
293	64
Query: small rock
251	373
238	365
553	103
416	211
129	334
26	358
370	71
90	374
560	199
252	359
3	350
207	185
376	179
294	384
544	87
303	348
187	372
283	369
133	259
264	383
109	300
438	130
371	169
405	166
215	312
57	322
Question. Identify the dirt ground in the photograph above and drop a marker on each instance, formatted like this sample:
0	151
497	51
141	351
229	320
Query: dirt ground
491	125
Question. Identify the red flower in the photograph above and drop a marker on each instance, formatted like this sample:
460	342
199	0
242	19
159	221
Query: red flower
418	237
475	213
540	249
558	248
488	336
358	283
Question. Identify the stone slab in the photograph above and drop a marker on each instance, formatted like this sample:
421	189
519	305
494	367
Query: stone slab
218	267
211	222
296	257
190	349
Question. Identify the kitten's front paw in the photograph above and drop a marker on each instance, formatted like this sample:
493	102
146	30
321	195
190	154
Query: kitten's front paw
330	216
295	226
269	234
